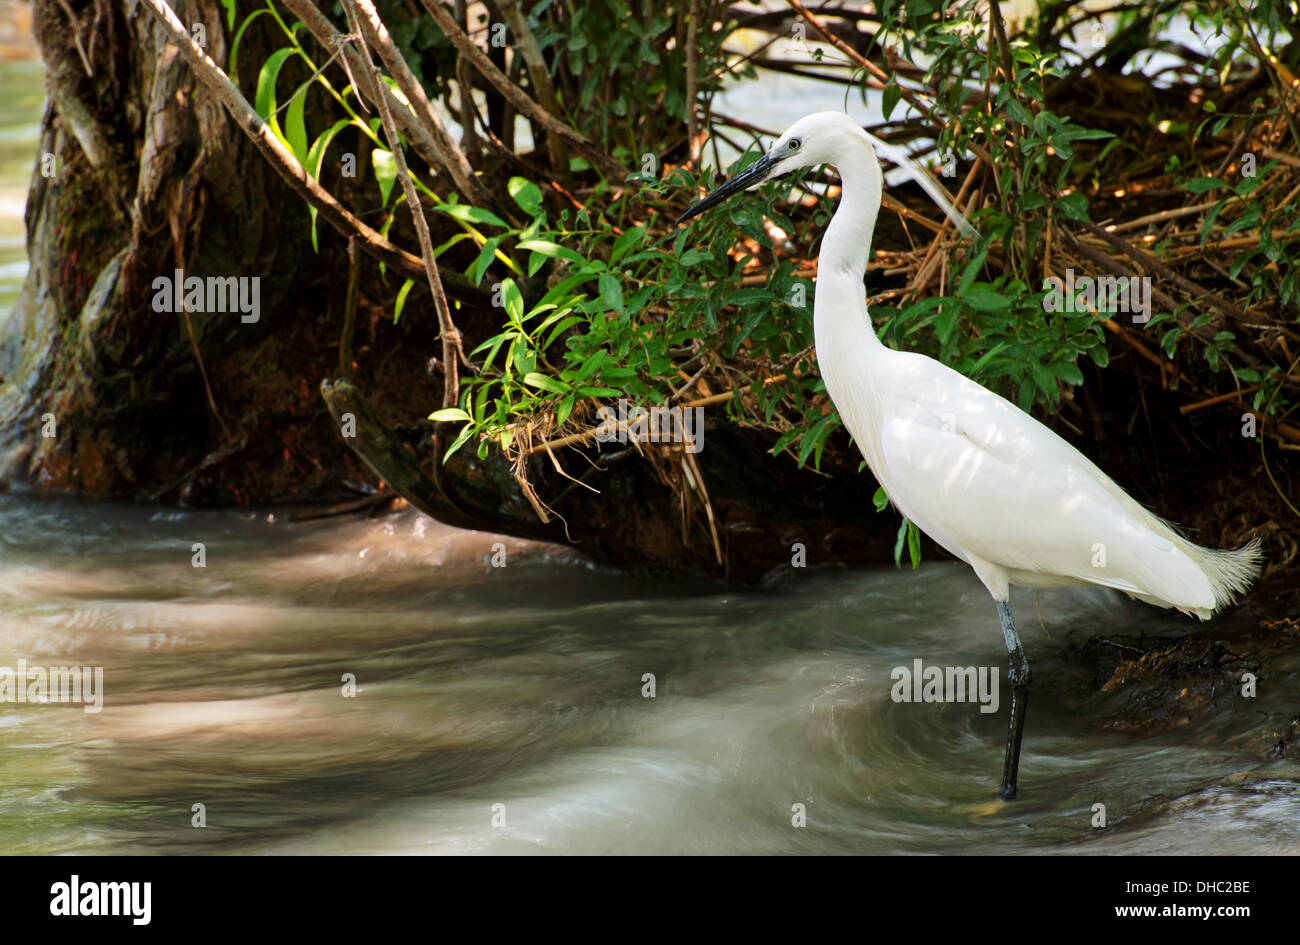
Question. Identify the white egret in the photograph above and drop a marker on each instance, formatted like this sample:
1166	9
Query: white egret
985	480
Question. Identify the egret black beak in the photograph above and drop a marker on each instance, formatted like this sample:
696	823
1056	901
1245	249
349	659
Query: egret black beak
756	173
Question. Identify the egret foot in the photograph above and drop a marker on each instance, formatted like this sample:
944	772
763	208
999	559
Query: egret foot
987	809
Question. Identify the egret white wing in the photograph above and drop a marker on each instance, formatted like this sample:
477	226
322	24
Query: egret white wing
985	479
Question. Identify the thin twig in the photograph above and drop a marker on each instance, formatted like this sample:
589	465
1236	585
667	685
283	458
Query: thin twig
587	435
692	129
364	17
539	74
76	37
527	107
302	89
1155	265
423	128
350	309
1160	217
465	84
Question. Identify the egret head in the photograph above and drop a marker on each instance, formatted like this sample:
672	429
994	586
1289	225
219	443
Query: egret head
832	138
814	139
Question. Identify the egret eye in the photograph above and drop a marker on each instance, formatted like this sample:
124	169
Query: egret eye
794	144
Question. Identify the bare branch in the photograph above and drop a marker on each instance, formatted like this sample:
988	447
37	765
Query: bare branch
539	74
424	129
518	98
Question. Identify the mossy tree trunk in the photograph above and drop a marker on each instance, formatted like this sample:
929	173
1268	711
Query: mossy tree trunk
140	173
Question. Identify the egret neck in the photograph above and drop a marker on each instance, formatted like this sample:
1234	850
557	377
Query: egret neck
845	340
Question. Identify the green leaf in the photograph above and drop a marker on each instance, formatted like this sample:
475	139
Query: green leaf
465	433
495	345
751	295
1201	185
1045	380
402	293
523	356
485	256
232	68
559	329
746	329
385	168
611	293
316	153
592	364
1019	113
1247	220
565	408
626	241
315	158
527	194
264	101
1210	218
1075	133
1073	207
295	126
466	213
945	323
1069	372
1030	200
1170	340
555	310
784	440
987	357
971	270
880	500
986	300
545	383
889	98
813	437
514	300
448	414
553	250
914	544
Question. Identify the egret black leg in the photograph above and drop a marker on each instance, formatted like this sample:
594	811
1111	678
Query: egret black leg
1018	679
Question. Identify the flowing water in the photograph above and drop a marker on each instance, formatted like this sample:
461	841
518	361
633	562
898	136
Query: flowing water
507	709
524	685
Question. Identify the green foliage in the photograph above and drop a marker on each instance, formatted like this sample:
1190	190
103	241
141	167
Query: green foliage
908	533
621	324
616	73
606	302
630	310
